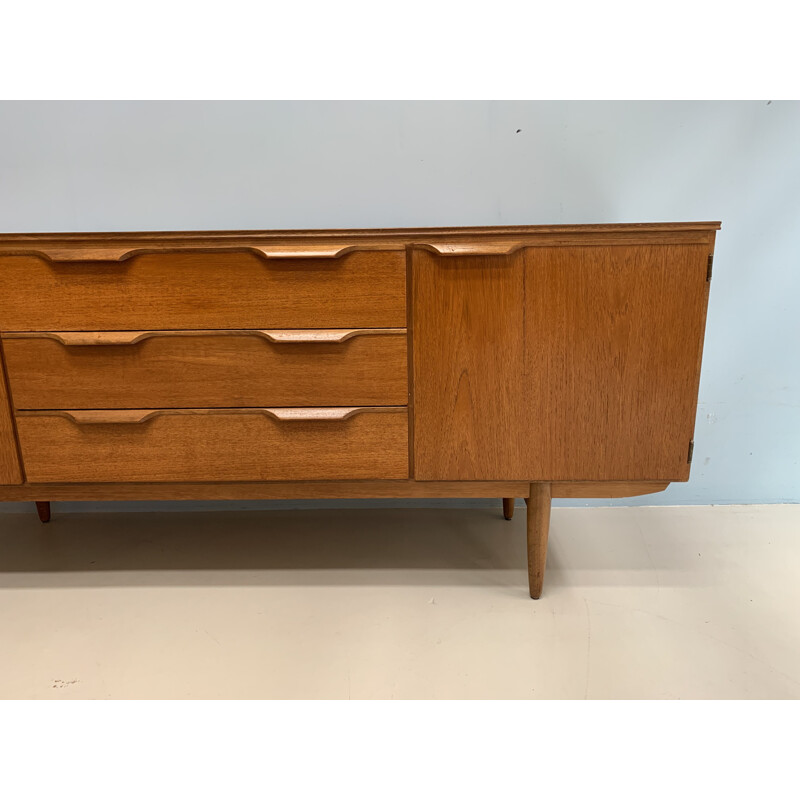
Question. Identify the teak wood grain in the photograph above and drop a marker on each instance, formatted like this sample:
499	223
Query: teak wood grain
199	445
563	363
613	337
187	369
469	409
10	472
191	290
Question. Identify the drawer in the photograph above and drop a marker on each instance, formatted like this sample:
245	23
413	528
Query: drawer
191	290
266	444
198	369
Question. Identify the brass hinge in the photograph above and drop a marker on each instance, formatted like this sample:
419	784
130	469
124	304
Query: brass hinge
691	452
710	265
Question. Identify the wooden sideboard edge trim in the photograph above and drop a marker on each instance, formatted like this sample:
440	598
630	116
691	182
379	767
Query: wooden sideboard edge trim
137	416
292	490
285	336
355	233
458	244
606	489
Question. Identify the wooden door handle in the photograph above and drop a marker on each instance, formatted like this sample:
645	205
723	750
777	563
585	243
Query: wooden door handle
471	248
136	416
301	336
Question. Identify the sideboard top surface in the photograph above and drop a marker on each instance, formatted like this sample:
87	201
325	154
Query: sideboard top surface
400	234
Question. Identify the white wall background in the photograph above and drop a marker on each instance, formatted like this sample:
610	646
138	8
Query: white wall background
74	166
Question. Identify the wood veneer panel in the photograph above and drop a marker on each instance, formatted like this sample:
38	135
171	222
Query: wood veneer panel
198	445
10	472
208	369
558	363
189	290
612	343
469	407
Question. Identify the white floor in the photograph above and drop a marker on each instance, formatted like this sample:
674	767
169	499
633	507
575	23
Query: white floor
686	602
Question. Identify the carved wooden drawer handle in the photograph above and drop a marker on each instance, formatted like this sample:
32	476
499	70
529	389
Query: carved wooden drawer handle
119	254
103	417
309	251
137	416
472	248
317	414
332	336
301	336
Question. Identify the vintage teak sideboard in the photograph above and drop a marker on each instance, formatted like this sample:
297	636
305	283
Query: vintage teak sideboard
534	362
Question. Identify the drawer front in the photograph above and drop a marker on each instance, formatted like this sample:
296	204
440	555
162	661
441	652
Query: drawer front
191	369
190	290
201	445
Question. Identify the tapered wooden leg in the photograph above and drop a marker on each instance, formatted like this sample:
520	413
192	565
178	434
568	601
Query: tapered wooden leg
43	510
508	507
538	530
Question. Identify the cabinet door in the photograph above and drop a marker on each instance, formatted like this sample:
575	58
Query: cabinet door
558	363
468	342
613	338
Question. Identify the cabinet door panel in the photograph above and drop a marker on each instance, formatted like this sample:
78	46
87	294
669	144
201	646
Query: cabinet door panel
613	341
468	383
558	363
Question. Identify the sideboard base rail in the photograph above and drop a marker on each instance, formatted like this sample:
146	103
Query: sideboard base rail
321	490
